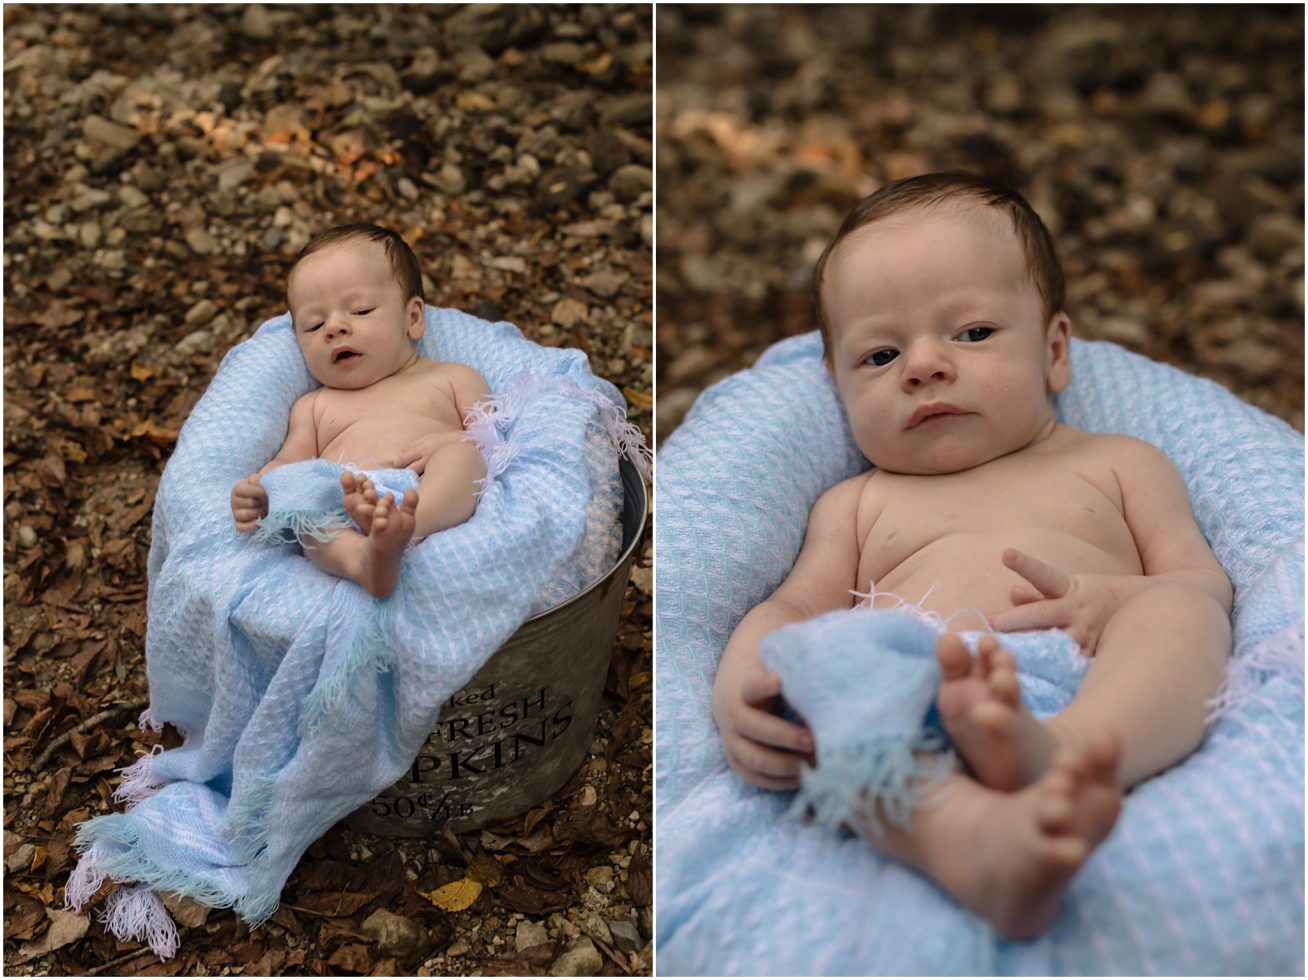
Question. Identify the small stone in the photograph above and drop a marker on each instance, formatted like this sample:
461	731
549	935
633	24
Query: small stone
100	130
233	174
450	181
396	935
201	313
581	959
630	181
626	936
21	859
201	242
587	797
595	926
529	934
256	24
89	234
604	283
457	949
601	878
568	312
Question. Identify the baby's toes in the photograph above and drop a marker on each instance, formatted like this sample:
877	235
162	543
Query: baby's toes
1055	810
953	657
409	503
1101	757
1003	682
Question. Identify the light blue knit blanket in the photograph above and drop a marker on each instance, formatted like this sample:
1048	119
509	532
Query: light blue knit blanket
1204	871
300	696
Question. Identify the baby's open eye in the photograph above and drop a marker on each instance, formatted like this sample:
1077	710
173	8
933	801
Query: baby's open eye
882	357
974	334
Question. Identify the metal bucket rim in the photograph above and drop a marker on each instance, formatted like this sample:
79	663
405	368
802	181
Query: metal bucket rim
622	558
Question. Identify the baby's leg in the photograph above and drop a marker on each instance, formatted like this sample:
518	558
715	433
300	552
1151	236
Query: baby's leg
447	494
980	705
1009	857
1160	659
371	560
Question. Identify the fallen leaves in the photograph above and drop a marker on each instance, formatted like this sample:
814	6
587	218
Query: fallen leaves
456	896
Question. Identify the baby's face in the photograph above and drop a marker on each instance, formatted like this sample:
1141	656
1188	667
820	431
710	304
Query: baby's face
939	347
351	318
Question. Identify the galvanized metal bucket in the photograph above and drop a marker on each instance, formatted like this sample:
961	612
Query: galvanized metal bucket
522	725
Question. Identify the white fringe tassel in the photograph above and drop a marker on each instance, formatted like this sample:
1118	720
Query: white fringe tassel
139	914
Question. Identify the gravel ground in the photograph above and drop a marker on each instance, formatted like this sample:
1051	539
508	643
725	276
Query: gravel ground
1163	146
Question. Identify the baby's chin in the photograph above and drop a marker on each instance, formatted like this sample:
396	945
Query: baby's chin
940	462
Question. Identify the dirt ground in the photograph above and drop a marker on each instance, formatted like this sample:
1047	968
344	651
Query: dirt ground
1163	146
163	166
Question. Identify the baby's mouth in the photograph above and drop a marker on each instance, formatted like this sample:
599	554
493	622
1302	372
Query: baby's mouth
344	354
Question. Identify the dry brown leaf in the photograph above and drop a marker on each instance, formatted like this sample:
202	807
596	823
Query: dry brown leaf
456	896
65	928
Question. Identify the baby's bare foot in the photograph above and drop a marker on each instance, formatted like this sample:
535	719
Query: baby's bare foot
980	705
360	499
391	528
1024	848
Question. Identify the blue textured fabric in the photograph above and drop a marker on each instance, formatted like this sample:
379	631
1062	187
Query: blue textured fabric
1204	872
300	696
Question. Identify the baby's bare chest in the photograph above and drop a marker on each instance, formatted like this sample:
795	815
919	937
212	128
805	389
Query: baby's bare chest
1063	509
382	419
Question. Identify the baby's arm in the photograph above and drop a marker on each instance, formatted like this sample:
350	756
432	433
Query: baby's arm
249	501
467	387
761	747
1172	552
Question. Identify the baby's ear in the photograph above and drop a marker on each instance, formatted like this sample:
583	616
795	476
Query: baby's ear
1058	341
415	319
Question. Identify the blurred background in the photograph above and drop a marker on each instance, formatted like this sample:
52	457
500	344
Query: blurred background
1163	147
163	165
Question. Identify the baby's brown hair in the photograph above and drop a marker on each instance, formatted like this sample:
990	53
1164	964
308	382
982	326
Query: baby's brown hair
403	262
928	190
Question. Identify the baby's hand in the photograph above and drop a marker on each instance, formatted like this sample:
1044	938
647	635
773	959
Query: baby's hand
414	456
1081	605
763	748
249	503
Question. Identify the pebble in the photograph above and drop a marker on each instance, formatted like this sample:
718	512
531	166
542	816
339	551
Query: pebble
395	935
581	959
201	242
101	130
626	936
201	313
529	934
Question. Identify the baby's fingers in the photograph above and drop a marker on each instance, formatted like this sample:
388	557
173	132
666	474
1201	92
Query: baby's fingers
760	688
767	729
1052	582
1032	616
757	763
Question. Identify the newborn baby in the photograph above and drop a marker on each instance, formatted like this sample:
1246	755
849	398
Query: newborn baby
356	300
942	308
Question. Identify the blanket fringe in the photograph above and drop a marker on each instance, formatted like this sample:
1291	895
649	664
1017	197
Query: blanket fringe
139	781
1279	654
138	913
307	526
489	416
886	777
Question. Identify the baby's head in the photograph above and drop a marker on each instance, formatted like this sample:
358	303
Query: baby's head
941	302
357	302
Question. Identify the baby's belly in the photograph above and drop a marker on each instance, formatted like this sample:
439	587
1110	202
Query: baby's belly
965	571
374	444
